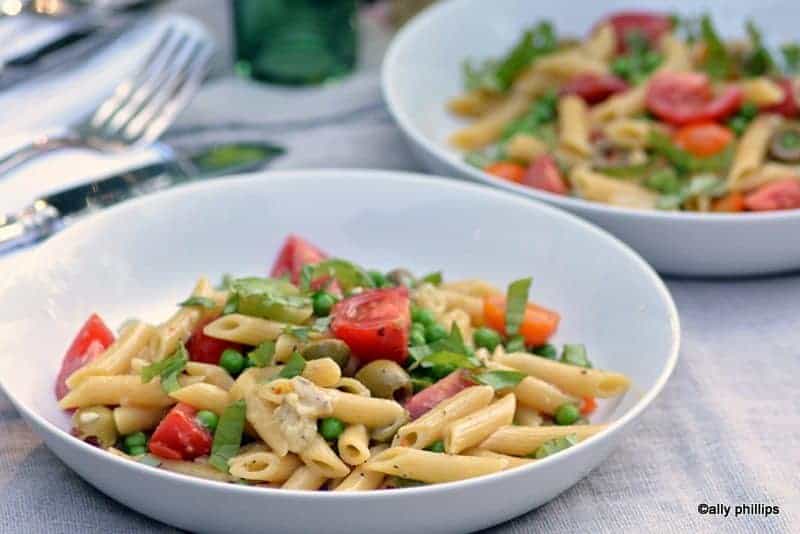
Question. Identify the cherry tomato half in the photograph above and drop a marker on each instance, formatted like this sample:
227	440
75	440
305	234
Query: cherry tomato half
92	339
779	195
594	88
686	97
789	106
507	170
294	254
538	323
179	436
206	349
649	25
543	173
374	324
704	138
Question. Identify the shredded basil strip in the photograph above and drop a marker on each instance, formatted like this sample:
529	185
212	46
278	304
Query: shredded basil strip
168	369
232	305
446	358
262	355
718	62
205	302
452	343
228	436
321	324
348	275
500	379
575	354
294	367
553	446
432	278
516	302
759	61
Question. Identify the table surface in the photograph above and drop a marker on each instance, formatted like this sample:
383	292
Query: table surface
725	430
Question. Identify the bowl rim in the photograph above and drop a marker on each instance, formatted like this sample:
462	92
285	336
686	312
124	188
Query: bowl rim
366	175
428	18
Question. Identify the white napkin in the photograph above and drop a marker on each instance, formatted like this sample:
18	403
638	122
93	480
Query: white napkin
28	109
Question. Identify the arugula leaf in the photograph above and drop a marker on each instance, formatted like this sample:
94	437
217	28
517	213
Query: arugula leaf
500	379
718	63
685	163
791	58
271	298
706	185
228	436
639	61
168	369
293	367
541	112
498	74
553	446
432	278
516	302
321	324
204	302
454	342
575	354
262	355
665	181
758	61
347	274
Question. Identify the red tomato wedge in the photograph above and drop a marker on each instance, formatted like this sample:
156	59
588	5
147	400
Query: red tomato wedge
513	172
445	388
537	326
779	195
703	139
206	349
681	98
179	436
374	324
93	338
789	106
294	254
543	173
648	24
594	88
730	203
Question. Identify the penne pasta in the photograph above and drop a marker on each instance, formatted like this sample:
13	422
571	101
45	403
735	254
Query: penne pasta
323	372
752	149
524	440
320	458
179	327
368	411
472	429
353	445
261	416
573	126
432	467
212	374
244	329
490	126
264	466
130	419
532	392
513	461
202	396
595	186
126	390
196	469
304	478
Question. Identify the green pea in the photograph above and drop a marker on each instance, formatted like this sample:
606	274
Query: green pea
435	332
566	414
422	316
137	451
651	60
417	338
331	428
547	351
515	344
137	439
378	278
621	66
207	419
738	124
323	303
486	337
232	361
436	446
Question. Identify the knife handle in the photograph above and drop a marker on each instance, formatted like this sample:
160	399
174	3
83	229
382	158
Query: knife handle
33	224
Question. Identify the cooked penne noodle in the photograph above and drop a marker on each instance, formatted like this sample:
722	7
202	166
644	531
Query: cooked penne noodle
564	65
213	374
472	287
524	440
320	457
179	327
432	467
353	386
249	379
130	419
489	127
535	393
264	466
626	104
601	44
627	132
473	104
752	149
324	372
260	415
513	461
575	380
471	305
769	172
353	445
368	411
196	469
472	429
592	185
137	338
203	396
573	126
430	427
677	56
126	390
762	92
304	478
244	329
285	346
525	416
525	148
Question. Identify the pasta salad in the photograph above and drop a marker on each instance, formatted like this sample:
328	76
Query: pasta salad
649	111
327	376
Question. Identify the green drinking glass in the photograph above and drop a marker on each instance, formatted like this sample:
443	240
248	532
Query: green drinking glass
295	42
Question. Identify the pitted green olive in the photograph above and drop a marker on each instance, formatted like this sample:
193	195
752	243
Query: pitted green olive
386	379
95	423
401	277
335	349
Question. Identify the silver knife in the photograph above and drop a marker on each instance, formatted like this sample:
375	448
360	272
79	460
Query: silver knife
49	214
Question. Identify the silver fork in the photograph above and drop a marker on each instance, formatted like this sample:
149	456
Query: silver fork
140	108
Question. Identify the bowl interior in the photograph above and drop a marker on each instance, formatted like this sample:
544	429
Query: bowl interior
140	259
477	30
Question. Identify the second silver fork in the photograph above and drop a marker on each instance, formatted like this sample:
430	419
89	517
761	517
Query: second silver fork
140	107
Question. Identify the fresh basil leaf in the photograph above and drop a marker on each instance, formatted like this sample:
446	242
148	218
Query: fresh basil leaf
449	359
758	61
348	275
553	446
481	76
300	332
542	112
232	305
717	60
168	369
705	185
321	324
453	343
271	298
294	367
516	303
500	379
432	278
791	58
574	354
204	302
262	355
515	344
228	436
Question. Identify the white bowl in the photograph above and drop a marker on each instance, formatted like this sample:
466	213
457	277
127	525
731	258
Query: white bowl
142	257
422	70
